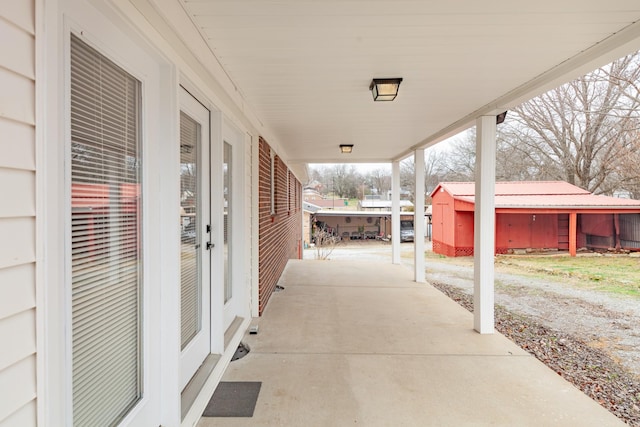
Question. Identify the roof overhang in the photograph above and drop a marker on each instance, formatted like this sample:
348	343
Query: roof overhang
298	73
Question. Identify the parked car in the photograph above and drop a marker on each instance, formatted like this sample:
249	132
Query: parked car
406	235
406	231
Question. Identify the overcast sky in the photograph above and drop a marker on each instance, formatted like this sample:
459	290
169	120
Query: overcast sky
367	167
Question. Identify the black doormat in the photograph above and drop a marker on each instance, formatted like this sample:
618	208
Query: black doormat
233	399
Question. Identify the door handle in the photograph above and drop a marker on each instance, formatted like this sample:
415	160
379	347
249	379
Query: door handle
210	245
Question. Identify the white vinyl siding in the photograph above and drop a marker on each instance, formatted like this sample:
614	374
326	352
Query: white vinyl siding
17	216
18	237
25	416
21	344
15	298
17	387
19	13
18	54
18	203
18	97
17	145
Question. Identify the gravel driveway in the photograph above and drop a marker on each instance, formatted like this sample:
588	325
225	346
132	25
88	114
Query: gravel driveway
604	321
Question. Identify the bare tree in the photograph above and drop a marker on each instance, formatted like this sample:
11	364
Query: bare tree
380	180
407	176
435	162
342	180
584	132
512	163
628	172
580	132
459	163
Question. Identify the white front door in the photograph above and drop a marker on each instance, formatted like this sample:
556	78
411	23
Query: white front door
195	230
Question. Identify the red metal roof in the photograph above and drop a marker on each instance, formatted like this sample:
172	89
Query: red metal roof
515	188
540	194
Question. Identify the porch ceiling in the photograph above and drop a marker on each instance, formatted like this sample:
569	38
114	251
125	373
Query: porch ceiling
304	67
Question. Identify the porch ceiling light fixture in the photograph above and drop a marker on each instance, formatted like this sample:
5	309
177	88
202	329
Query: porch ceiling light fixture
500	118
346	148
385	89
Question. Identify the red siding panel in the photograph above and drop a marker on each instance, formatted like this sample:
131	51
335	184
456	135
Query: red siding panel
530	215
464	233
524	231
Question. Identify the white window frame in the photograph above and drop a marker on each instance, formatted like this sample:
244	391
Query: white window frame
272	170
104	30
239	304
141	258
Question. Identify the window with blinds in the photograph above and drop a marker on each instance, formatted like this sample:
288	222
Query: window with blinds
190	269
106	273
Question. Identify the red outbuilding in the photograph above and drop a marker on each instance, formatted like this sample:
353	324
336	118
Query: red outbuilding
535	216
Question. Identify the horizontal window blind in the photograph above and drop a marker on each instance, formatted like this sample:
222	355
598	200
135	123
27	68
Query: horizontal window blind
105	238
190	272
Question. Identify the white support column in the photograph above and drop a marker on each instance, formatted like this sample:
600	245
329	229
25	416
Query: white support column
395	212
418	219
484	225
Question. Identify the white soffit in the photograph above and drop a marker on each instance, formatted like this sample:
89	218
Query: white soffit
304	66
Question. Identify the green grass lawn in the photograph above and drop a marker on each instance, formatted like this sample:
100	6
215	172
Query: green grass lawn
618	274
615	273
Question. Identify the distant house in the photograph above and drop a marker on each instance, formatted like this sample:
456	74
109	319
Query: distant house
313	196
333	203
383	205
404	194
534	216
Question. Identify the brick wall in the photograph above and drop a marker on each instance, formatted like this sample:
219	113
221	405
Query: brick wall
280	232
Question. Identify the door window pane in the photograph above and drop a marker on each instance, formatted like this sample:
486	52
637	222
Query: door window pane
228	288
106	271
190	247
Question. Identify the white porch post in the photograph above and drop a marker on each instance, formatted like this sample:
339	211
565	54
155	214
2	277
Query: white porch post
395	212
418	219
484	225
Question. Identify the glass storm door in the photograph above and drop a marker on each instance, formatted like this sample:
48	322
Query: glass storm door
229	311
195	235
106	252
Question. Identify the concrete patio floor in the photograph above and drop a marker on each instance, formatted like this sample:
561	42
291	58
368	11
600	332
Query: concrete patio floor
360	343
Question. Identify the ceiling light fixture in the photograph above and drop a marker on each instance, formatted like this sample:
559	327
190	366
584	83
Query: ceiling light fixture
346	148
385	89
500	118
